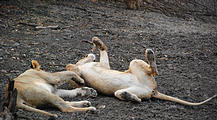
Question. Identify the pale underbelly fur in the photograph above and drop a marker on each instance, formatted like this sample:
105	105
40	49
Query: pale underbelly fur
107	81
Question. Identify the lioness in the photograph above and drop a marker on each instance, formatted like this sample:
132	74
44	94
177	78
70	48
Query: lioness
133	4
36	87
134	84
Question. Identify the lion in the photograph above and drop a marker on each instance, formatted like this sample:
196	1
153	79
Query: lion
134	84
37	88
133	4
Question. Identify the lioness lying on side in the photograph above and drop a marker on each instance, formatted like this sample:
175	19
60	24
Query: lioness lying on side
134	84
36	87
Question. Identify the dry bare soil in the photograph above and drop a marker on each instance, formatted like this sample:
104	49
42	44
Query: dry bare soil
186	51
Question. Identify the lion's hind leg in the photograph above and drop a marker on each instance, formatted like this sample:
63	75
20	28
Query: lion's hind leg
88	58
150	56
35	96
84	91
79	103
134	94
126	94
26	107
64	106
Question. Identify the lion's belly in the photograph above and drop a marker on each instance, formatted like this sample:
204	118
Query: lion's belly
106	81
35	93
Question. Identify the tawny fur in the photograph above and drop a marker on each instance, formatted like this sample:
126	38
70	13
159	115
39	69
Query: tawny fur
36	88
134	84
133	4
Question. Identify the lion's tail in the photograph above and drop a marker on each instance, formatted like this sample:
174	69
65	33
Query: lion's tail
35	65
169	98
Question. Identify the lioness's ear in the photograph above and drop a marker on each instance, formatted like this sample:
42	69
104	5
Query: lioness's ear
35	65
70	67
74	68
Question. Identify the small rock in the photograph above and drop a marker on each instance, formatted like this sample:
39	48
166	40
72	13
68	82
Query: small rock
170	66
16	44
32	52
173	106
4	71
101	106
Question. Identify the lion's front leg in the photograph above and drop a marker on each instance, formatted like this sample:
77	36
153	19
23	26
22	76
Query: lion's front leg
66	76
84	91
126	95
87	59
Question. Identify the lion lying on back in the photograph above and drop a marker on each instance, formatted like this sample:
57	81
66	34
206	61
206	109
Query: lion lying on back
36	87
134	84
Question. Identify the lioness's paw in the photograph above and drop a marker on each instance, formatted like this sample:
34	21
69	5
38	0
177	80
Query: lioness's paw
91	56
150	56
86	104
92	109
100	45
149	53
88	92
53	117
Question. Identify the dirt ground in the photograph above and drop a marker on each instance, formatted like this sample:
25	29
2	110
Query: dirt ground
186	51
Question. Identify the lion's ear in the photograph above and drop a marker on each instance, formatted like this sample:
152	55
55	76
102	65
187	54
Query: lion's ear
70	67
35	65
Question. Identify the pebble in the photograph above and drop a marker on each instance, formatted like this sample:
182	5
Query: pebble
32	52
4	71
101	107
16	44
170	66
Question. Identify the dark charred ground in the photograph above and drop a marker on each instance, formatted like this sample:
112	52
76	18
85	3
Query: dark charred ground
186	53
